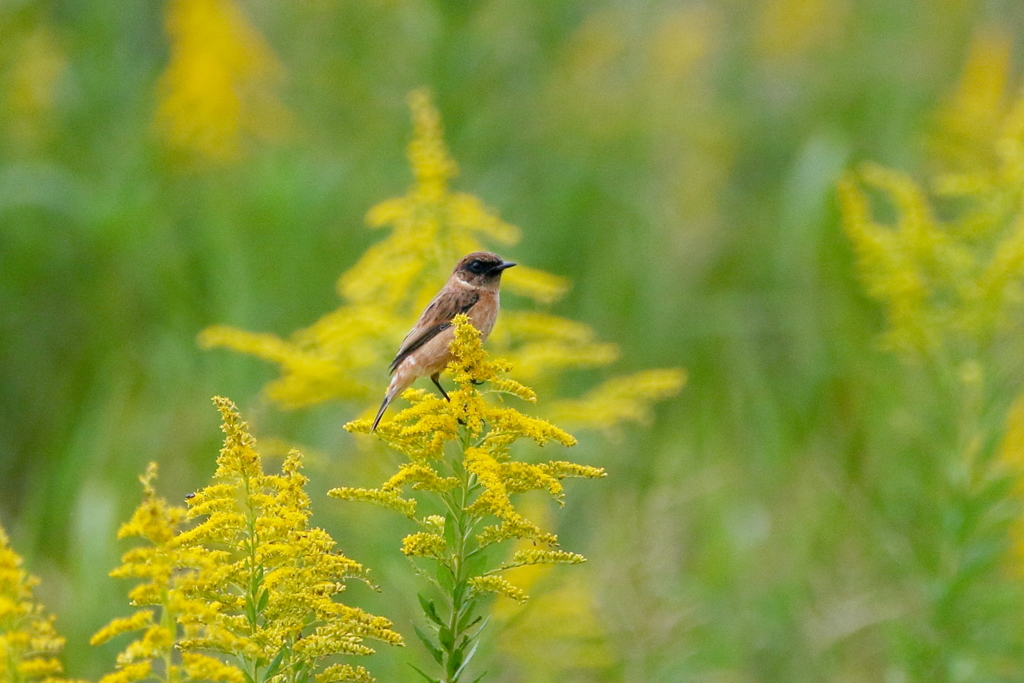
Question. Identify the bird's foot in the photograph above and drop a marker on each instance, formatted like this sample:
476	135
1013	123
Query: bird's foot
435	379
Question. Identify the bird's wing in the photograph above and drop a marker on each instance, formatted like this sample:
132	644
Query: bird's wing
436	317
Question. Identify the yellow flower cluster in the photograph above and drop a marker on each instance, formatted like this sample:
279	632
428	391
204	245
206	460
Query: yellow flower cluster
249	578
219	85
486	471
620	399
29	644
974	116
341	356
155	564
947	270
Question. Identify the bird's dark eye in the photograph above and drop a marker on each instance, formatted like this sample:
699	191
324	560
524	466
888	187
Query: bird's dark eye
476	266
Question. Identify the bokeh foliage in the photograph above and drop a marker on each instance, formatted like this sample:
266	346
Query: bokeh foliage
675	161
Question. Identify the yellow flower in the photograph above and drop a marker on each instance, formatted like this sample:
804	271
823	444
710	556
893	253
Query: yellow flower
140	620
973	117
158	564
496	584
219	85
29	644
949	283
129	673
341	356
288	570
486	431
250	578
945	285
203	668
423	545
461	455
343	672
620	400
528	556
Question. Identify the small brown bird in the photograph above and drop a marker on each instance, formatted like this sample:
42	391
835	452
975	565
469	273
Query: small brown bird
472	289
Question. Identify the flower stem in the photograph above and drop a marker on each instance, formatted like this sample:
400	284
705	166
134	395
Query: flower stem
453	637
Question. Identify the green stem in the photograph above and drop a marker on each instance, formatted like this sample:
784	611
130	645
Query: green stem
459	621
168	622
252	591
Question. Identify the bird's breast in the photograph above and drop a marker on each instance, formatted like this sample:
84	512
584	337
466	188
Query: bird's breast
485	313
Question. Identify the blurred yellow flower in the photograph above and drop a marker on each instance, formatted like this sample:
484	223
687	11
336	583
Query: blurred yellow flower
793	28
342	355
29	644
628	398
973	116
220	84
948	270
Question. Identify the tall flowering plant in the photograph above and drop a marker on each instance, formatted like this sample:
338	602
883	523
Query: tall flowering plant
342	354
29	644
461	464
946	261
238	587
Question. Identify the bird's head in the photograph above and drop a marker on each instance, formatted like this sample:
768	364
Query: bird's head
481	269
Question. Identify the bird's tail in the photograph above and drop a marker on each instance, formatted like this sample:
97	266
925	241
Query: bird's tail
380	413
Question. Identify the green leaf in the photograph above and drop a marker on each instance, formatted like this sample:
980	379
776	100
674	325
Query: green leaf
250	609
450	533
459	592
256	580
454	664
466	620
444	635
480	677
274	665
430	679
262	602
430	610
248	678
429	644
466	661
476	563
445	578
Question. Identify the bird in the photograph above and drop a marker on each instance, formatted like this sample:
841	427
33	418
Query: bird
472	288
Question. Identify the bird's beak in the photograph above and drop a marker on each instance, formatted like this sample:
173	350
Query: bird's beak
503	266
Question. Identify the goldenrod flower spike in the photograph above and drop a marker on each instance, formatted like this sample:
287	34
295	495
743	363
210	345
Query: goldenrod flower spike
220	83
29	644
249	578
948	283
945	259
460	455
343	354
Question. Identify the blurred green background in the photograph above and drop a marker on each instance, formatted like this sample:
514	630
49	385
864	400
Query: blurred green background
785	519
